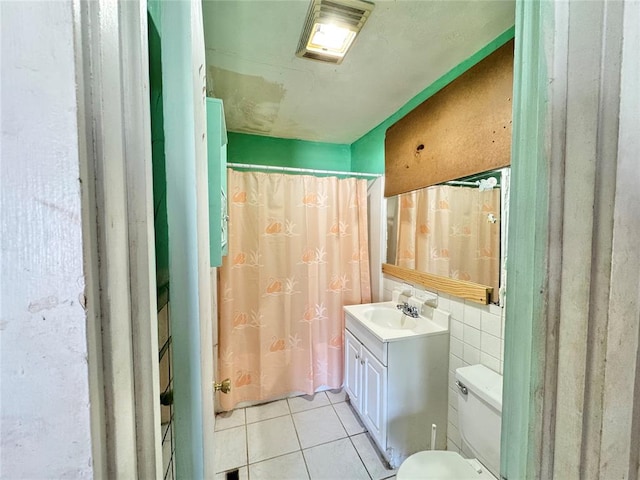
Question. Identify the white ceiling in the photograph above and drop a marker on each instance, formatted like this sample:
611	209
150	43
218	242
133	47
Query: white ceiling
404	47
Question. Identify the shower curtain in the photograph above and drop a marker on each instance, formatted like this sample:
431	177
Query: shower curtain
298	252
452	232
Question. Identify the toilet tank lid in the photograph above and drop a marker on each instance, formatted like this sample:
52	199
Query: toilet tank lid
482	381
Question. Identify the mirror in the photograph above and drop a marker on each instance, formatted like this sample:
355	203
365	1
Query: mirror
451	230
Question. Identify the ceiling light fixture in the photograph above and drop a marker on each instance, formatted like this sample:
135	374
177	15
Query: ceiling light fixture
331	27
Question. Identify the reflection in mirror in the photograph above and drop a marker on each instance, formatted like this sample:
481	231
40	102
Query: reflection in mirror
451	229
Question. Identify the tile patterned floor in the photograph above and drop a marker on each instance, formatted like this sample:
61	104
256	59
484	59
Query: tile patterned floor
315	437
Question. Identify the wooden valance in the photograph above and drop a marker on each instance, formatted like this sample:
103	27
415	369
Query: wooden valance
463	129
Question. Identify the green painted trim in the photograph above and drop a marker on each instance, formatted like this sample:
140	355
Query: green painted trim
367	153
157	155
527	244
282	152
184	307
217	163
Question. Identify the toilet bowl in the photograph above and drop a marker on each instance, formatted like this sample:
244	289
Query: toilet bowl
442	465
479	419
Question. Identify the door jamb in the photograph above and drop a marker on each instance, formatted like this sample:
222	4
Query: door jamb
117	216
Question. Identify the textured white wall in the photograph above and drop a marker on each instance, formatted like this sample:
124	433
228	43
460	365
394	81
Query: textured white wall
44	389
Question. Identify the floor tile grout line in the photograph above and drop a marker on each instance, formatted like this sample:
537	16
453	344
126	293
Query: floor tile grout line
340	420
295	429
360	457
246	437
246	433
307	448
301	449
279	455
365	432
324	443
345	427
385	464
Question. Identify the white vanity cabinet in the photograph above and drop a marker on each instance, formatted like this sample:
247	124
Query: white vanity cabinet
397	386
366	384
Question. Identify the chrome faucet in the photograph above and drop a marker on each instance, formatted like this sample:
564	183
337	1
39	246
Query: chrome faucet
408	310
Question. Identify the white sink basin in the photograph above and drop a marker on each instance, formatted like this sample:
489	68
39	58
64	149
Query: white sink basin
389	317
389	324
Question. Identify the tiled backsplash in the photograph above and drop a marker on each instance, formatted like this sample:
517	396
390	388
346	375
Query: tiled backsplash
476	335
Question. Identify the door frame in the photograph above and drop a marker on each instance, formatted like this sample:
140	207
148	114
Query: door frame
114	141
572	362
185	129
117	216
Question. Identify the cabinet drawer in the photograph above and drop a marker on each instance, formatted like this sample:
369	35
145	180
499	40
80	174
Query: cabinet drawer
368	339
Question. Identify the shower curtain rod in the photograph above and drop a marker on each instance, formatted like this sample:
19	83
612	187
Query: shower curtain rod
471	184
303	170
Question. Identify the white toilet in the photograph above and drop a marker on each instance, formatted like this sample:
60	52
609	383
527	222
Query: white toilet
479	418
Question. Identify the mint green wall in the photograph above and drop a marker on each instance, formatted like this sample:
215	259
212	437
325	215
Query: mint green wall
244	148
175	27
157	154
367	153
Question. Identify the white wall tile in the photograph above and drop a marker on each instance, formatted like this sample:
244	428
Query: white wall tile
492	324
452	416
453	433
456	328
480	330
456	307
490	362
451	446
471	336
444	303
453	398
452	378
389	284
491	345
455	363
471	355
472	315
455	347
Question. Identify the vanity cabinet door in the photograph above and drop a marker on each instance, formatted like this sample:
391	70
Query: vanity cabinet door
374	395
352	376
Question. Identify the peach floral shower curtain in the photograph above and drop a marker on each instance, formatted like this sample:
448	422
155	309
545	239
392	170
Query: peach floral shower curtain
298	252
451	231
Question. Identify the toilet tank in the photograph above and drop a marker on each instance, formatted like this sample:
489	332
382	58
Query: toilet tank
480	413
